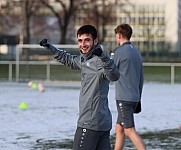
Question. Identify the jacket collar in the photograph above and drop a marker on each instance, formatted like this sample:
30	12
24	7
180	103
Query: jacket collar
89	55
86	56
126	43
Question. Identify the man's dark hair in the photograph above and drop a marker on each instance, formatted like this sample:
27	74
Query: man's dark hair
125	30
87	29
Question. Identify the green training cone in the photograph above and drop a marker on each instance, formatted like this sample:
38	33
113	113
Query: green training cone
23	105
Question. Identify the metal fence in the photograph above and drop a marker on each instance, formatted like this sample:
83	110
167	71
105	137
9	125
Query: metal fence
13	69
49	64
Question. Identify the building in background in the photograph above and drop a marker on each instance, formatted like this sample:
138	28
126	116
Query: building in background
147	18
156	24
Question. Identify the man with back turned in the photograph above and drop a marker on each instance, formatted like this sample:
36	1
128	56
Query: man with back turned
128	88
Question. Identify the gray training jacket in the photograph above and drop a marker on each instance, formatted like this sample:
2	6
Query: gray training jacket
130	84
96	74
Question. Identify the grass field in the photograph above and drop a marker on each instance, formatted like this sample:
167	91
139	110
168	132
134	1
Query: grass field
161	74
61	73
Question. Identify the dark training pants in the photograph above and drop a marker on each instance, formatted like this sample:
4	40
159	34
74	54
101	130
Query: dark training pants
86	139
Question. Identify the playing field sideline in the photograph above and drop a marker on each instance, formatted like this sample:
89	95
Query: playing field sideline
161	72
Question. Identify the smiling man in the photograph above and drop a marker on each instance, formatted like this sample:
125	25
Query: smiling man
97	70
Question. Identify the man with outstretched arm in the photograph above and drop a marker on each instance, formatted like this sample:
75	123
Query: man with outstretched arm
97	70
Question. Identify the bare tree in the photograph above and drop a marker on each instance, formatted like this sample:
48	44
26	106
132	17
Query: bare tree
100	13
28	9
64	14
97	12
16	15
8	18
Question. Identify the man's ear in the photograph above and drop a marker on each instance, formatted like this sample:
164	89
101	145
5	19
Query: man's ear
120	36
96	41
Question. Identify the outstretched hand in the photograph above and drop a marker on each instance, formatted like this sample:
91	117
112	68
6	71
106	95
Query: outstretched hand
44	43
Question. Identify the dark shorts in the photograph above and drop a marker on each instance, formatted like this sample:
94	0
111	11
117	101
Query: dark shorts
126	113
86	139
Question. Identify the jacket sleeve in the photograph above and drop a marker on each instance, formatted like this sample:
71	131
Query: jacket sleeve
65	58
111	71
